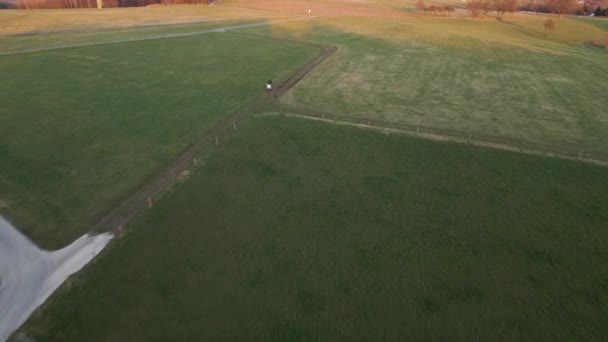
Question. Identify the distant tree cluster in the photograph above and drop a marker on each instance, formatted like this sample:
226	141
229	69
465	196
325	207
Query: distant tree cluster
599	12
499	7
564	7
32	4
5	4
433	9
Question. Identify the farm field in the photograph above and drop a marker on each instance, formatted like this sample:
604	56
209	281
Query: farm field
303	230
15	22
508	79
296	229
85	127
77	38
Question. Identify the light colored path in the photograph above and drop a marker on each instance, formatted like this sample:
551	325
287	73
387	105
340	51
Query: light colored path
220	29
29	275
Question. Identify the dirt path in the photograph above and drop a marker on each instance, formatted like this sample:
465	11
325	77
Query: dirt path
176	35
180	166
29	275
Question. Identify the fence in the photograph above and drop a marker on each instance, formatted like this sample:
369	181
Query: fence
179	168
474	138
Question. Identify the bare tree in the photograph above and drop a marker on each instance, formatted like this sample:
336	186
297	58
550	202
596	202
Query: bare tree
503	6
420	6
486	6
562	6
475	8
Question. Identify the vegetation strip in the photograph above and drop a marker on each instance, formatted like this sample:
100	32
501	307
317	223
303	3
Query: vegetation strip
443	134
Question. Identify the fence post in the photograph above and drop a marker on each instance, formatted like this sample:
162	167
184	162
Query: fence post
149	202
217	141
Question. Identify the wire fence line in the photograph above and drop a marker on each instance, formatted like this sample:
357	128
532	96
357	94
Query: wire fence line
175	172
193	155
470	137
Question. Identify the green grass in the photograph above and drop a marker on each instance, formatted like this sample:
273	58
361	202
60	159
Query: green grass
510	79
17	43
298	230
601	23
84	127
31	21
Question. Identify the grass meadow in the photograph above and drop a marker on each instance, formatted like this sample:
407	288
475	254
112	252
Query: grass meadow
20	22
84	127
295	229
509	79
301	230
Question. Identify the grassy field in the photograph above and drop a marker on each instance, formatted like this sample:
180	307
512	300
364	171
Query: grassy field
509	79
19	43
84	127
299	230
33	21
601	23
302	230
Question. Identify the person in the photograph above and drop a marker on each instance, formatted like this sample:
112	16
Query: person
269	85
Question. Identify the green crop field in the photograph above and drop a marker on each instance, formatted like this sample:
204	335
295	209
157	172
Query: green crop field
300	230
84	127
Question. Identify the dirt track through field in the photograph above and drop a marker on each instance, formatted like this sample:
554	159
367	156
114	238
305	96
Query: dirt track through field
185	161
28	275
176	35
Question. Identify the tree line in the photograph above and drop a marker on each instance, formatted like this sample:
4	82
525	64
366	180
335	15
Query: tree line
500	7
599	11
36	4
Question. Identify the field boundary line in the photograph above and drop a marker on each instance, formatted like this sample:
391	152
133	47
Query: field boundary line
165	36
166	177
441	134
140	26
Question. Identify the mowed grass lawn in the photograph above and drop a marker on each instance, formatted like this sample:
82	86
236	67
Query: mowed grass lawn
300	230
82	128
509	79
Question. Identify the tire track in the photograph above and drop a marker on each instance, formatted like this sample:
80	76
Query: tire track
165	36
